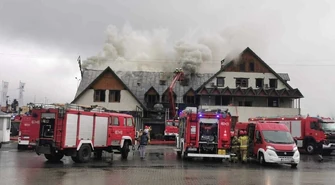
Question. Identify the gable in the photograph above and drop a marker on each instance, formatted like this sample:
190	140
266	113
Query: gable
247	63
232	71
102	79
151	91
109	81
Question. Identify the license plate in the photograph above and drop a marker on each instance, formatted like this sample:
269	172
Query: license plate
286	159
192	149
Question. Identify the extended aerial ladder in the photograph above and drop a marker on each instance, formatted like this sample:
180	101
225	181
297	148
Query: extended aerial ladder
170	127
179	76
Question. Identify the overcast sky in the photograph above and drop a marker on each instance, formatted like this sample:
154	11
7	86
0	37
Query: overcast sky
40	41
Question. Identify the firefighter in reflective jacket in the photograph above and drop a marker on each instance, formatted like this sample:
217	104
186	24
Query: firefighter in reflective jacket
235	148
243	140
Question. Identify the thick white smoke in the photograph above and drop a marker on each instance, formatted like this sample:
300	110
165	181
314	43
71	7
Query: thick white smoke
135	50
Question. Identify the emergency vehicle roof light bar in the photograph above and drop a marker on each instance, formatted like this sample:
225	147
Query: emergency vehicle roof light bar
278	117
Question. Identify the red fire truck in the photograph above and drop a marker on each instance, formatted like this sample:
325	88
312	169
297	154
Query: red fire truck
204	133
77	132
28	132
308	131
270	142
171	129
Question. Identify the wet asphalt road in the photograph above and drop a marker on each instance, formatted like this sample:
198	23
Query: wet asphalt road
160	167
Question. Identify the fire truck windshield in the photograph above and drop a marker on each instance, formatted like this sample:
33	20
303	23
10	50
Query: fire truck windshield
328	126
277	137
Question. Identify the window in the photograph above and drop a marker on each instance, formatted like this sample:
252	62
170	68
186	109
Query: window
242	67
241	82
273	83
162	82
114	121
314	125
248	103
152	98
259	82
251	67
258	137
220	81
99	95
190	99
273	102
129	122
114	96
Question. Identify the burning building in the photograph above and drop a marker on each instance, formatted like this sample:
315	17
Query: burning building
248	87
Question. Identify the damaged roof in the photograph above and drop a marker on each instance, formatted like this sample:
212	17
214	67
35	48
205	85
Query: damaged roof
139	82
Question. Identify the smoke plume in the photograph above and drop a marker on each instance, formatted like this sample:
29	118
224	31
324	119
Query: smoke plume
135	50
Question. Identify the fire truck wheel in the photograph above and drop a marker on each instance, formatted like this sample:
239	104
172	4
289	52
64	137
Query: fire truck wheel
125	150
55	157
310	148
84	153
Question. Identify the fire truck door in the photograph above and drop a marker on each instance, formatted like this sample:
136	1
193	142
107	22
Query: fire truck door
251	137
116	131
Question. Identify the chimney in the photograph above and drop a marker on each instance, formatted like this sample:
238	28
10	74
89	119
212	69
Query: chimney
162	78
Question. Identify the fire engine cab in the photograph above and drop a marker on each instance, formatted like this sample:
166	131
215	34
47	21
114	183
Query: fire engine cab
307	131
171	129
78	132
204	133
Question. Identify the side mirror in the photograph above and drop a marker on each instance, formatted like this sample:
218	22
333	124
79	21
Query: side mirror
295	140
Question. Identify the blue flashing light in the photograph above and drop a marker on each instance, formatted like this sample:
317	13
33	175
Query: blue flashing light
200	115
218	115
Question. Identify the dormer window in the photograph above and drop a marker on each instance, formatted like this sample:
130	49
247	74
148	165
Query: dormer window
220	81
273	83
241	82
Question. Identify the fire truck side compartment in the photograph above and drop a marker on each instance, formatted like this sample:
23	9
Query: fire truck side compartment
71	130
100	132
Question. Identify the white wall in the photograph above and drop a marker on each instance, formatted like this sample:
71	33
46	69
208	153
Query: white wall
256	101
4	132
127	102
245	113
230	79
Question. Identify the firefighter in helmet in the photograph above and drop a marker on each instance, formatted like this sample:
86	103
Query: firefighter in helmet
243	141
234	148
